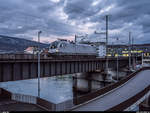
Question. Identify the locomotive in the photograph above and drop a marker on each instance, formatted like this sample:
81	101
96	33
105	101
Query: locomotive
66	48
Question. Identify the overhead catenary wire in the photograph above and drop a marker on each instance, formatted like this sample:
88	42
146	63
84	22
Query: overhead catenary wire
44	27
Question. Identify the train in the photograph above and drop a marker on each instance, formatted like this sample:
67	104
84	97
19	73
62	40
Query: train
66	48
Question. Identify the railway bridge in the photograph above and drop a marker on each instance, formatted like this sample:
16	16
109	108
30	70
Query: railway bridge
19	67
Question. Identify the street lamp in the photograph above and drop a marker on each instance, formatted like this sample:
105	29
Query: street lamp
39	32
142	59
129	46
117	62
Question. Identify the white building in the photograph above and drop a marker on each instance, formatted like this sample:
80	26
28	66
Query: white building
31	50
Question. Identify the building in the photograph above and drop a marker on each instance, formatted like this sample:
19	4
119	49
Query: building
123	50
31	50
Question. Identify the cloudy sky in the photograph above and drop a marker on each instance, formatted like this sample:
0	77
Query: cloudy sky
65	18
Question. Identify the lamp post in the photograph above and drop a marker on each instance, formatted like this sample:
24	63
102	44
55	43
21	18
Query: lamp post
107	43
39	32
142	59
117	63
133	54
129	51
75	44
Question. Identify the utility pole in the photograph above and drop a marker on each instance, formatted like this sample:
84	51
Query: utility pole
117	63
106	33
142	59
129	50
39	63
106	43
133	55
75	44
75	39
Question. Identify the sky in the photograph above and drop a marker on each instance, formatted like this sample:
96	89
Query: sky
65	18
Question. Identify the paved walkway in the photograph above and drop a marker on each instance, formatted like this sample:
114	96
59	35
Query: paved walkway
128	90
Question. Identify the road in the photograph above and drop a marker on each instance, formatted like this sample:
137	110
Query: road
119	95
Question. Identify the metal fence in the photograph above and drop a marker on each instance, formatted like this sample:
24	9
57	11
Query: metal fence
24	98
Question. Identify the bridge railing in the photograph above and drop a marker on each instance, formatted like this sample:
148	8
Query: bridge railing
21	56
35	56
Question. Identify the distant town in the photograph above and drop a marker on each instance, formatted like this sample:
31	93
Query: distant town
114	50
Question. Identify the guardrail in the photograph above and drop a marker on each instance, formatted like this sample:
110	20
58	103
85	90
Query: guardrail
24	98
18	56
35	56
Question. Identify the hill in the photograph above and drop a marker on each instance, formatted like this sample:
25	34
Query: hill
14	44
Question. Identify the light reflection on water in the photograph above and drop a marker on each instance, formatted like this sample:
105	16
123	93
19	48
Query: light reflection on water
54	89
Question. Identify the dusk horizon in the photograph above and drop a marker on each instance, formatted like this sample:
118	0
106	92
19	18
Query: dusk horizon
67	18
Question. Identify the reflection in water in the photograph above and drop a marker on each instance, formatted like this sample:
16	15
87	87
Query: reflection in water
55	89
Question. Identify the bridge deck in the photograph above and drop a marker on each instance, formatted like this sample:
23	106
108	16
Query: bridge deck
119	95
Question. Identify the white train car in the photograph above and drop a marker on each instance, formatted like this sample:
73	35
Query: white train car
64	47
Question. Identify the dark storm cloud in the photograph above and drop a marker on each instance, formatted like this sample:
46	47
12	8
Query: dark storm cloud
24	16
67	17
78	9
125	15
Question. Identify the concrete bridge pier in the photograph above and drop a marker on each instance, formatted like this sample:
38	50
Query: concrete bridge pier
76	89
75	93
89	81
134	63
79	80
88	77
104	75
74	82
